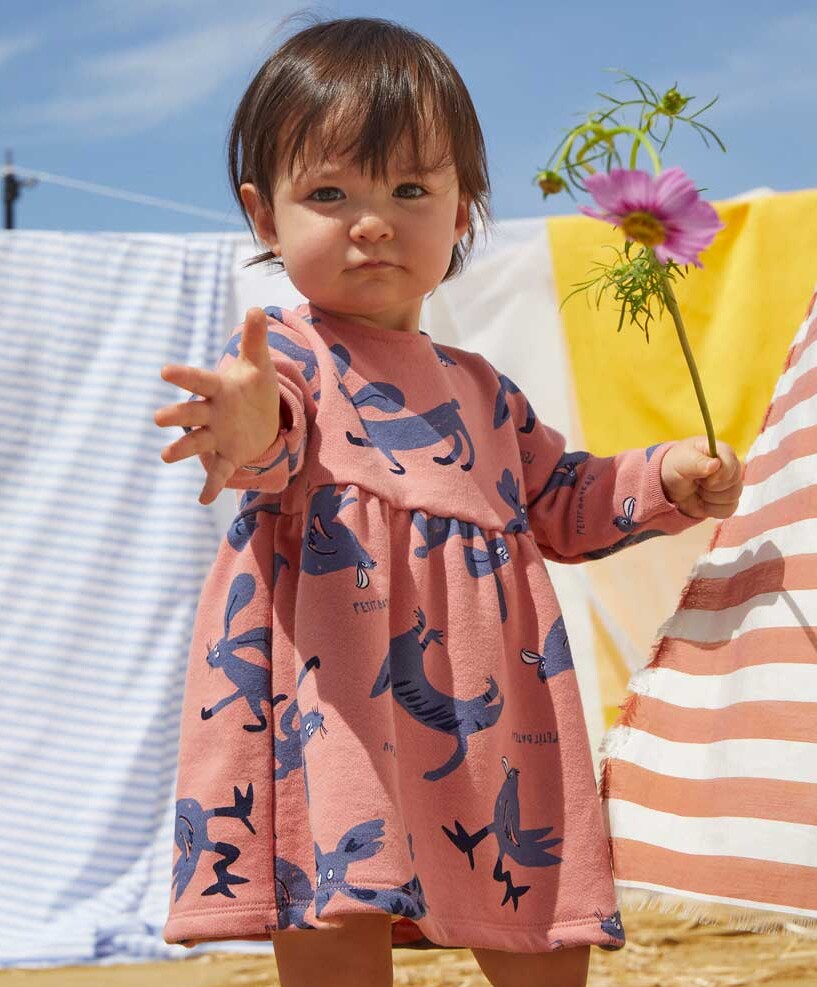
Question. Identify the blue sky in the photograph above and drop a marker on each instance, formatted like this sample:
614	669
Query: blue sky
139	94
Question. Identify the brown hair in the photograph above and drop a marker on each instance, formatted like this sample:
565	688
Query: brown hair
360	85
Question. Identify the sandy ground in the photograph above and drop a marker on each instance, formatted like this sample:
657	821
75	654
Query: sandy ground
662	951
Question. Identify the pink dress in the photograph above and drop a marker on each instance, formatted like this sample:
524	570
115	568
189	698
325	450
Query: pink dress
381	710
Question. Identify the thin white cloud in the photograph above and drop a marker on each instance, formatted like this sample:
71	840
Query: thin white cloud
130	90
777	68
113	15
12	47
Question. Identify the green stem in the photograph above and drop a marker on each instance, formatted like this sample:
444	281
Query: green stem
675	312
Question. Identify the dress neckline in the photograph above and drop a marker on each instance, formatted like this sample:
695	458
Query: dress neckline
318	317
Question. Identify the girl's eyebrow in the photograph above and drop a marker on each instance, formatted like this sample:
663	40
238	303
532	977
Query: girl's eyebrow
329	173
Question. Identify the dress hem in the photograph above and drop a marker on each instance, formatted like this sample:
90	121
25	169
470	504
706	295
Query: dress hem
459	933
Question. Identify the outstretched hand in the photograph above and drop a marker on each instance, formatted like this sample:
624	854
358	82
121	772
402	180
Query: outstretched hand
700	485
237	417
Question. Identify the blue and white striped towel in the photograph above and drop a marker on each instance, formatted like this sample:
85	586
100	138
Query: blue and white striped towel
104	549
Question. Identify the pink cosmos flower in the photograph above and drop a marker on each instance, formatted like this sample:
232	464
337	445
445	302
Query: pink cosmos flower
664	213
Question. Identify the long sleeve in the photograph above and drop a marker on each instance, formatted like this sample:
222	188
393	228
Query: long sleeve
298	382
582	507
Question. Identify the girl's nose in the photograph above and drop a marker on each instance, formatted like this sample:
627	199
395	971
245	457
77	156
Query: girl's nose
371	226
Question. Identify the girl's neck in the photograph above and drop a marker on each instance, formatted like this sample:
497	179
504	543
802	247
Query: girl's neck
406	320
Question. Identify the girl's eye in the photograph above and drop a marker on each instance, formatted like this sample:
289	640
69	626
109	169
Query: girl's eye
415	191
318	195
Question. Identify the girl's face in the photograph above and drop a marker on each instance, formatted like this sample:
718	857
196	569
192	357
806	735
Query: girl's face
330	222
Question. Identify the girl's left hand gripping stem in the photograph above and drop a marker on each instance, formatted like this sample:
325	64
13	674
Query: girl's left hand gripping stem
698	484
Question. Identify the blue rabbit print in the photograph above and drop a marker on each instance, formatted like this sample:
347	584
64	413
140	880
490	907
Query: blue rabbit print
293	895
479	562
245	523
360	843
422	431
328	545
527	847
252	681
193	840
624	522
555	656
289	750
404	673
508	489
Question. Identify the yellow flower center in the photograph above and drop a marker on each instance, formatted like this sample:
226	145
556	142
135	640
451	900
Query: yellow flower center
645	228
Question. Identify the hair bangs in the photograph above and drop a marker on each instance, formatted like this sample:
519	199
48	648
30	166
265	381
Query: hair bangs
374	127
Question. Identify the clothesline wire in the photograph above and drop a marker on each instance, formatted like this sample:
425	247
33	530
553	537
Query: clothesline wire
114	193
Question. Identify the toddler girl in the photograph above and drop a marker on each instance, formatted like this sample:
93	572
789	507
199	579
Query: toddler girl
382	741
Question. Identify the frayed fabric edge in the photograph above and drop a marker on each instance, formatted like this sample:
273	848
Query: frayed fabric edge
738	918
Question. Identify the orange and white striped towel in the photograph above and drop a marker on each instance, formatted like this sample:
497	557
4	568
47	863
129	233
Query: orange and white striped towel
710	773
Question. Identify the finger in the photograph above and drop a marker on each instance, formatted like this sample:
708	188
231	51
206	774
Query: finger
219	471
188	414
729	496
254	346
198	441
730	472
197	380
721	510
693	461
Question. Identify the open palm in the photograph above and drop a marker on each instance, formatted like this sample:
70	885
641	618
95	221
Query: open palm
237	416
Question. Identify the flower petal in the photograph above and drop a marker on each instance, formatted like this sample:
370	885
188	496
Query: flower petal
675	193
605	217
636	190
604	189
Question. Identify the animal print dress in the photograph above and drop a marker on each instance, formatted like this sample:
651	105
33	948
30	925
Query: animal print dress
381	711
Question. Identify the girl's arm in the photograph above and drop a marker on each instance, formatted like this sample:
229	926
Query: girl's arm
582	507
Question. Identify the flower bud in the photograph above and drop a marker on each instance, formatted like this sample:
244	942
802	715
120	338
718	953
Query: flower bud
550	182
673	102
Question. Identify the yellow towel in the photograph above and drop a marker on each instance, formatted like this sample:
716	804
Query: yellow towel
738	311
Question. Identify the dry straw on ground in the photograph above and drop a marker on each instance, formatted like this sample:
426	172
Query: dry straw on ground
662	951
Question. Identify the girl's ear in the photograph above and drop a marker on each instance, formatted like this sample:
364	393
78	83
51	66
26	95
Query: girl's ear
461	220
261	216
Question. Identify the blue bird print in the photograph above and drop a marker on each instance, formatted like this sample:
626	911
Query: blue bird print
624	522
252	681
192	840
403	672
527	847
